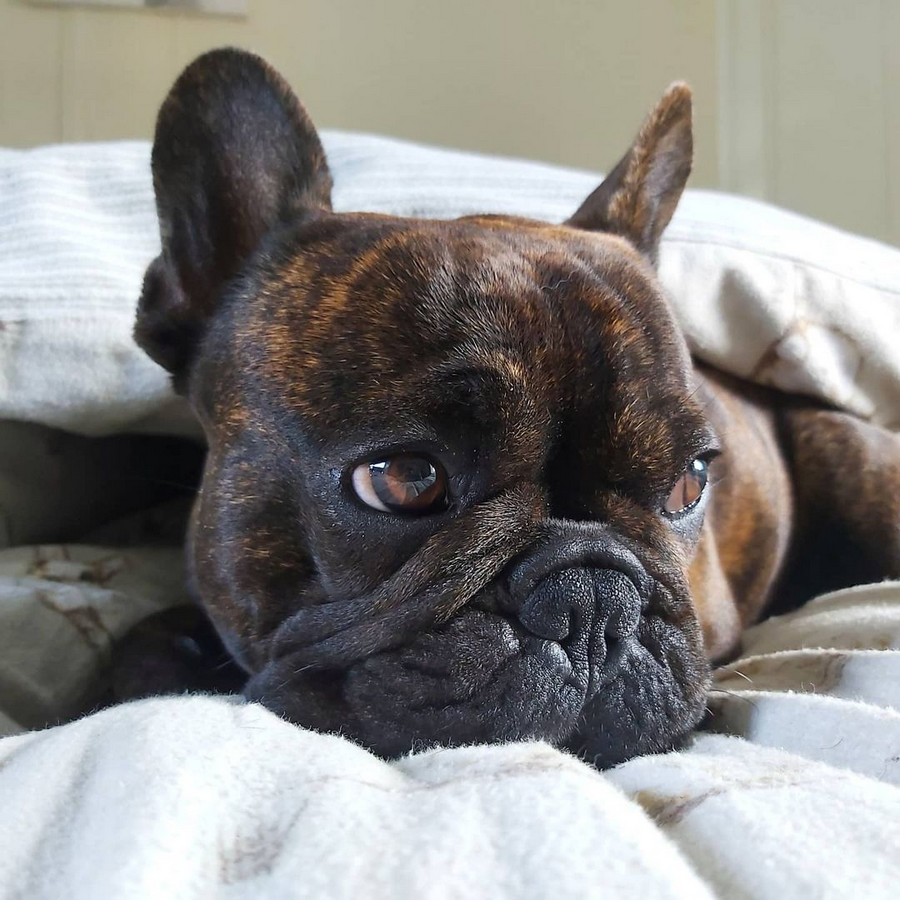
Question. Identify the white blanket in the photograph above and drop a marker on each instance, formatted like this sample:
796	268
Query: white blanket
195	797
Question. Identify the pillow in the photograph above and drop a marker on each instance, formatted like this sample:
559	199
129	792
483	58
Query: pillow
762	293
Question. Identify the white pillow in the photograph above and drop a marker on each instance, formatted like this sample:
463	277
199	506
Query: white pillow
762	293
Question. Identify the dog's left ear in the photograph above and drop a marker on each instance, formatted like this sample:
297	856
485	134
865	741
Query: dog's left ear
637	199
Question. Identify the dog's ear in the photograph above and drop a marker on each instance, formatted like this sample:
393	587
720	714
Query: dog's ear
637	199
234	155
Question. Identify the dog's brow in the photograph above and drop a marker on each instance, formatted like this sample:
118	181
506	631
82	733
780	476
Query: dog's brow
702	439
504	366
478	371
489	386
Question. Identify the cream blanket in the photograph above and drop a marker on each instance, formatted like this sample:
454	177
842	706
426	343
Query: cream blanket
196	797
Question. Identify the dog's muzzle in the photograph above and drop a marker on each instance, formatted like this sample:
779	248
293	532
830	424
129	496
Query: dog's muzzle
587	594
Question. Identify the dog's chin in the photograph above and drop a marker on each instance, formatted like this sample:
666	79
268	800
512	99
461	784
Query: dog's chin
481	678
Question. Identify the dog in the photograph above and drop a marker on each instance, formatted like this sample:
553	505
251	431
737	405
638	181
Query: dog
464	482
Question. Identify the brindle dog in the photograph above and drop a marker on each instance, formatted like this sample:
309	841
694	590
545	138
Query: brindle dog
464	482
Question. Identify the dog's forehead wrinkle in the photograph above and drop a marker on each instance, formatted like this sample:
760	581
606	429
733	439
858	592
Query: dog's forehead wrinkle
539	309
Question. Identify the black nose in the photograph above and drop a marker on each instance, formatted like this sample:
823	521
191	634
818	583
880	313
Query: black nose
572	586
570	601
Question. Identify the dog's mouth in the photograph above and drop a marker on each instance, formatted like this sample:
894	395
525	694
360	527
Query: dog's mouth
479	678
588	662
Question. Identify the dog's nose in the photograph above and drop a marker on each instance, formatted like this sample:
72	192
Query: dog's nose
565	602
573	585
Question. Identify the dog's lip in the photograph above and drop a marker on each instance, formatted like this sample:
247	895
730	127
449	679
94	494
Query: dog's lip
551	689
553	656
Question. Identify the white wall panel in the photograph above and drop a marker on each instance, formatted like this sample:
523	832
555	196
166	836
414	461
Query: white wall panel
810	108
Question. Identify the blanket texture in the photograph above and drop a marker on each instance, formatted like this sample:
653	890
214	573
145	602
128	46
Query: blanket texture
793	791
196	796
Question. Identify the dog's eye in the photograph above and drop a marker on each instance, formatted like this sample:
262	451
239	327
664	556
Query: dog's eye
688	488
403	483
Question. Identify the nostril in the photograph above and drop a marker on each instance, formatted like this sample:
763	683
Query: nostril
620	604
543	621
548	612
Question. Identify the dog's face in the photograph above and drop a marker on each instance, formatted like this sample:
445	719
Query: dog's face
456	470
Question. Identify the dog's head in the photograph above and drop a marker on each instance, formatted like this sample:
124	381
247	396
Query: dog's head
456	470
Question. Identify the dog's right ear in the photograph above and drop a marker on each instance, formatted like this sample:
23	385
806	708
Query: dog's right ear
234	155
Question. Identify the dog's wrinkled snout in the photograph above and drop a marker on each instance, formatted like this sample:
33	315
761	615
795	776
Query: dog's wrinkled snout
571	585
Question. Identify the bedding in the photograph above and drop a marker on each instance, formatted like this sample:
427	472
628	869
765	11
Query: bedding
793	790
199	796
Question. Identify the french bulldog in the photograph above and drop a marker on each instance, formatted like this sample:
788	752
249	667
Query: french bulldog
464	481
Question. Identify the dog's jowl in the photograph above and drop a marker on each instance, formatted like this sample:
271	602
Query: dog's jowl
464	481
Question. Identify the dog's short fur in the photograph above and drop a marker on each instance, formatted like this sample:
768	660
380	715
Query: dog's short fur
551	594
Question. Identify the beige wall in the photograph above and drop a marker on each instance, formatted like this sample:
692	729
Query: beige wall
796	100
567	81
809	94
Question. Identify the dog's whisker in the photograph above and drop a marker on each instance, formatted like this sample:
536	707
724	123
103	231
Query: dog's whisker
734	695
735	672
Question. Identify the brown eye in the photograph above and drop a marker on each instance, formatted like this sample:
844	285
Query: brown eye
402	483
688	488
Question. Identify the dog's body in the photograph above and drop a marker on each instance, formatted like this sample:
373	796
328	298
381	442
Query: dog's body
457	471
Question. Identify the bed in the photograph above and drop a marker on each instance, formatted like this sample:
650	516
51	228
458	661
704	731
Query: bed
793	789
